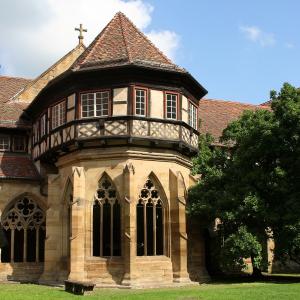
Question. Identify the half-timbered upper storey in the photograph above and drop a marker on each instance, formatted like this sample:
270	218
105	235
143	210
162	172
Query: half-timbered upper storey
122	90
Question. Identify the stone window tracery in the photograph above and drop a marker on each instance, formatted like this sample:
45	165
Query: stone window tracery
106	220
150	221
24	228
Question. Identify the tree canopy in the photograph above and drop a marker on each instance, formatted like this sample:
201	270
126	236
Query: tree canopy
252	182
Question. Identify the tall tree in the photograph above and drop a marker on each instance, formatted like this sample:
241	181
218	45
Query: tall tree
252	182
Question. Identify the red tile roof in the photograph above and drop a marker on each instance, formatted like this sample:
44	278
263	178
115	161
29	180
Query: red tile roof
10	111
267	103
9	86
14	166
215	115
121	43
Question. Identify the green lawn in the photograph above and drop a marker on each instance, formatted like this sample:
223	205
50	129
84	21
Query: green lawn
241	291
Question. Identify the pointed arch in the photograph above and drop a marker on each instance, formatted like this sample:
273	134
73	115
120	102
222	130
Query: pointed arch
106	218
152	218
43	205
24	224
67	191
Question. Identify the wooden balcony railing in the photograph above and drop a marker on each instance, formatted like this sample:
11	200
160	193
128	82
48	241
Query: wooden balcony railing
117	127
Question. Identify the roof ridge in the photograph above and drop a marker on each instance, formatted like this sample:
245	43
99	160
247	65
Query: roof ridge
146	38
229	101
121	40
125	42
33	81
91	48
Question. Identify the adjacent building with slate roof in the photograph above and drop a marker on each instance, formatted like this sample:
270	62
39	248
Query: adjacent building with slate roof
95	159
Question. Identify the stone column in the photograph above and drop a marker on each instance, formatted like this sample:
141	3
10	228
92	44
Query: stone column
53	232
178	227
129	217
77	240
196	251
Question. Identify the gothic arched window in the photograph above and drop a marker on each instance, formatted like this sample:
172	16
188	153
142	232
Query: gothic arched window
150	221
106	220
24	228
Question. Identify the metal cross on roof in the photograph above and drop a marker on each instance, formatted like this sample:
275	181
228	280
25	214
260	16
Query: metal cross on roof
81	30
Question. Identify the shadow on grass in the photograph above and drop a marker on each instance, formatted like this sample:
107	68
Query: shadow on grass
248	279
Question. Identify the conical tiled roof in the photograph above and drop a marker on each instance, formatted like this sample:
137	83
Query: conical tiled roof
121	43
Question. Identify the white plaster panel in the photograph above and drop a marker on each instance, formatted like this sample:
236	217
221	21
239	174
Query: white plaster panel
156	104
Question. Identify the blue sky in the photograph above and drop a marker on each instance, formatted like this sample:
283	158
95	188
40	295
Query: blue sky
216	45
238	50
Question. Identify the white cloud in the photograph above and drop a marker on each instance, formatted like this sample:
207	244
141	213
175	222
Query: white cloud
38	33
289	45
167	41
256	35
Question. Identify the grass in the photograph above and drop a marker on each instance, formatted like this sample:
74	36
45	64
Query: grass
212	291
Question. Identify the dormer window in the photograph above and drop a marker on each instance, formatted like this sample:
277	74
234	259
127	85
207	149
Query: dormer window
140	102
4	142
193	115
95	104
171	106
58	114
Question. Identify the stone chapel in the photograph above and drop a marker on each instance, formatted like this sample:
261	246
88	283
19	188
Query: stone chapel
95	164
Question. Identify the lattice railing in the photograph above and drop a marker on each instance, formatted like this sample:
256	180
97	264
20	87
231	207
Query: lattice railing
126	126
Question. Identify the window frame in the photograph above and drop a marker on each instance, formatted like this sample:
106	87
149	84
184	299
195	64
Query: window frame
9	226
9	143
60	103
94	104
13	143
137	88
43	121
100	203
150	242
166	93
190	117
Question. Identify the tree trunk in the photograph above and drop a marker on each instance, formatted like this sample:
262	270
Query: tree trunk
256	271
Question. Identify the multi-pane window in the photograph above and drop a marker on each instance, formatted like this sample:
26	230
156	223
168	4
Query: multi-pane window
58	114
140	102
19	143
192	115
43	125
95	104
4	142
171	106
